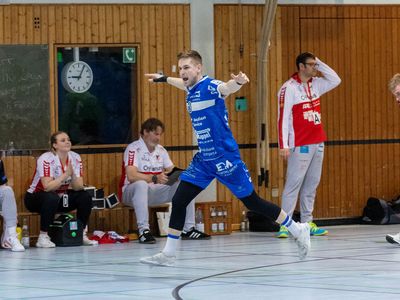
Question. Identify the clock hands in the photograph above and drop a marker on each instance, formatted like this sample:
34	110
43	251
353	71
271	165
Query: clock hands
80	74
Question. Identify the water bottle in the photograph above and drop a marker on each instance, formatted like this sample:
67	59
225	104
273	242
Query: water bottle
213	212
221	226
25	240
199	220
244	222
220	213
214	227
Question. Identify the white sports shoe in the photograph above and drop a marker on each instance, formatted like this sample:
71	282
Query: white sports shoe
159	259
303	240
11	241
393	238
87	242
44	241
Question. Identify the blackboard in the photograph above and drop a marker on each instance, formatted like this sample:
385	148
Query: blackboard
24	96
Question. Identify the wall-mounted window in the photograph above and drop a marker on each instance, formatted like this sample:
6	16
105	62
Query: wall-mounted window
97	94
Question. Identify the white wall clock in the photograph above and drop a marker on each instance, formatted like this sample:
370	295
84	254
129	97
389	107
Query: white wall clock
77	77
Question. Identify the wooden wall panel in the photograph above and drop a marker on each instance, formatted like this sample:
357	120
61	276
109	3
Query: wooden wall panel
159	45
236	26
94	24
360	109
360	116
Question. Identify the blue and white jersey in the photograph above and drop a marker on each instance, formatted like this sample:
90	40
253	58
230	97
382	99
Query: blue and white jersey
209	115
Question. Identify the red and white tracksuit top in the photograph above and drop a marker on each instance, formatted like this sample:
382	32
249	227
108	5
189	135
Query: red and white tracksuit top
299	111
137	154
49	165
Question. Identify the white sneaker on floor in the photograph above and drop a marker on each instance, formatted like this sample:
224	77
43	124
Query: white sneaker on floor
393	238
303	240
88	242
159	259
44	242
11	241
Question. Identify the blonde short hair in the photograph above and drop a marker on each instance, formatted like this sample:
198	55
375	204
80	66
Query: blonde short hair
395	81
193	54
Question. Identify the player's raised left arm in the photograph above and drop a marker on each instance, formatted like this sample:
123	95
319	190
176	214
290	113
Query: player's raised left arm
233	85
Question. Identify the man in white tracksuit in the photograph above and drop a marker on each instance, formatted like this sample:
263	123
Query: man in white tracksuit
301	135
144	177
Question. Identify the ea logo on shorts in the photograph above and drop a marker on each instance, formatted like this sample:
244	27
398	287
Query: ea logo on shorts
189	106
224	166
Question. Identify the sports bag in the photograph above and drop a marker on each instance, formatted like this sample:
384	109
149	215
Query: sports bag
379	211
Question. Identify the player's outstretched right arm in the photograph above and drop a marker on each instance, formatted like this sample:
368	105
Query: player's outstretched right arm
175	81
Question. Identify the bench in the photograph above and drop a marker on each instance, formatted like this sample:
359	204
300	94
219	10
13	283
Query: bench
101	219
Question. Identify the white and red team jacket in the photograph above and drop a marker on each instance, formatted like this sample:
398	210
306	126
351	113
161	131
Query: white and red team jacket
49	165
299	111
137	154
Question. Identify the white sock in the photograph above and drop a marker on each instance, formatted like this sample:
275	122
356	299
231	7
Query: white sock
43	234
12	230
171	245
292	226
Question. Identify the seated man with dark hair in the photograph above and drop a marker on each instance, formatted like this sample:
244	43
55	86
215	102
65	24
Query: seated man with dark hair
144	177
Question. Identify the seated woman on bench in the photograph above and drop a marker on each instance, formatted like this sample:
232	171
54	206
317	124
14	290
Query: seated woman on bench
57	186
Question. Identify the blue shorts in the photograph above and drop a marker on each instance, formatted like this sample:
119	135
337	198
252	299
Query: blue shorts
229	169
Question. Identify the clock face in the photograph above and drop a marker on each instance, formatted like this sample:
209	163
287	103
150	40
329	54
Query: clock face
77	77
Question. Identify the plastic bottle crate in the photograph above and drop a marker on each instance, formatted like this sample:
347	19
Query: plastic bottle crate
217	217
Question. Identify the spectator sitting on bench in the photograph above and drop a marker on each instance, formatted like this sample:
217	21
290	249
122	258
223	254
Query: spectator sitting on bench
57	186
144	177
8	207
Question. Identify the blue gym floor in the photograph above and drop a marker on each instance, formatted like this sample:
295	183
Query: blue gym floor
353	262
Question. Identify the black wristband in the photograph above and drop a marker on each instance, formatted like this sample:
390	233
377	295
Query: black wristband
154	179
160	79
